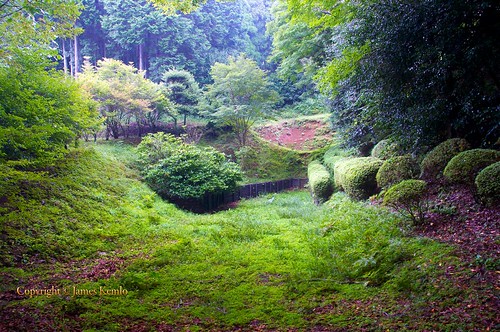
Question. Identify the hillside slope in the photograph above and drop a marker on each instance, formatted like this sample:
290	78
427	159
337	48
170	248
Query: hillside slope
88	246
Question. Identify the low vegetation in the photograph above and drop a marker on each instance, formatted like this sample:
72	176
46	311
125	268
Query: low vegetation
435	161
464	167
289	265
175	169
357	176
409	198
397	169
488	185
319	181
386	149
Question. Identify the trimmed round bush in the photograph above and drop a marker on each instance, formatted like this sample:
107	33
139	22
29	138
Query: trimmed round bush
357	176
435	161
488	185
464	167
397	169
408	197
385	149
319	181
330	158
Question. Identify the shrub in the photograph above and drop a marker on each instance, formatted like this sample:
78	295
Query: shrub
397	169
357	176
385	149
175	169
488	185
330	158
319	181
435	161
408	198
464	167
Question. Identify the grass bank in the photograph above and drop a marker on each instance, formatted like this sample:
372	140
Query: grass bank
280	264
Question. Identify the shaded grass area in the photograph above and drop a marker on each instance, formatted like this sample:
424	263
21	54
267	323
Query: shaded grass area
285	264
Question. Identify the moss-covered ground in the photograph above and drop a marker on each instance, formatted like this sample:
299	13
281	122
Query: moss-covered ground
125	260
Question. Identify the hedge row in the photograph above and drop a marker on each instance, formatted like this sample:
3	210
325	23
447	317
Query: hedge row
319	181
488	185
465	166
362	177
357	176
436	160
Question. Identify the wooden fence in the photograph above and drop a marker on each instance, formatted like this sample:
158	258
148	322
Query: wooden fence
213	202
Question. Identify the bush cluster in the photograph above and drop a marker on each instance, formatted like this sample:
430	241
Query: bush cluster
488	185
435	161
408	197
330	158
319	181
397	169
175	169
464	167
357	176
385	149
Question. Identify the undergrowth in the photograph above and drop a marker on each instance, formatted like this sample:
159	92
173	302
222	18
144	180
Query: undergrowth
268	262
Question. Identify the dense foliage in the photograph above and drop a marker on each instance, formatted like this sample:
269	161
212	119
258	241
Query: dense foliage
125	97
319	181
183	91
419	71
488	185
137	32
178	170
241	94
464	167
41	111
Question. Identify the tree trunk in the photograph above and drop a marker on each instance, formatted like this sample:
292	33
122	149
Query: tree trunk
76	56
141	62
65	58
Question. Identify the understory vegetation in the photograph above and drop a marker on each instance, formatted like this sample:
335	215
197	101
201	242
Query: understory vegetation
115	113
286	263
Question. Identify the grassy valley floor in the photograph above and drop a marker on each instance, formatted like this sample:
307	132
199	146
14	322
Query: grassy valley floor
118	258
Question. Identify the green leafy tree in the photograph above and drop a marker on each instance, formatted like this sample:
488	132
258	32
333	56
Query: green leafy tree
124	96
41	111
241	94
419	71
31	28
131	24
172	6
183	91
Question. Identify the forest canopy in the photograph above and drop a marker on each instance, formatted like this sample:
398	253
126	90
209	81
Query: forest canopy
417	72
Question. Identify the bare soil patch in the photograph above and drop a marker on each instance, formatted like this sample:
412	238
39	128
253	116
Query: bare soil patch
298	135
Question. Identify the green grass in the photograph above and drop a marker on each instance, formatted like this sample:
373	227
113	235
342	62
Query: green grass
270	264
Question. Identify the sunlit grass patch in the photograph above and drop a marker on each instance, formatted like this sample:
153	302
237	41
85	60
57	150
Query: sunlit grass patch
275	262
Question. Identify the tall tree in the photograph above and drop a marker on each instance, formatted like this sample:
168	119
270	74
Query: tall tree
432	72
417	70
41	111
125	96
241	94
183	91
130	24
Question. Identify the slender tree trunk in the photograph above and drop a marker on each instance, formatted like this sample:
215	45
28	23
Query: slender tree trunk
141	62
76	56
65	58
71	54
